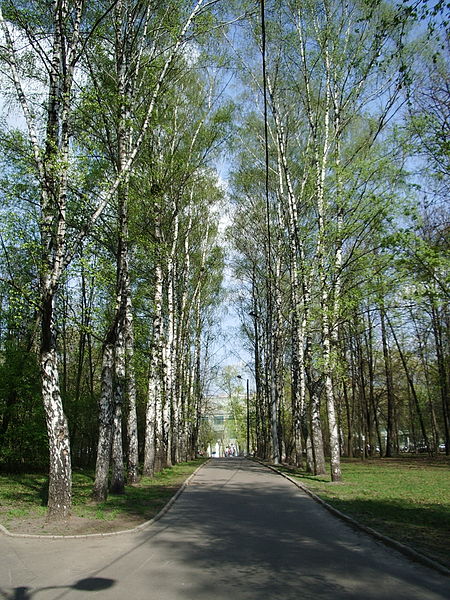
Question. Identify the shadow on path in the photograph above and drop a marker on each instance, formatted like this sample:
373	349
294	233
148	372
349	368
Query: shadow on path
242	532
90	584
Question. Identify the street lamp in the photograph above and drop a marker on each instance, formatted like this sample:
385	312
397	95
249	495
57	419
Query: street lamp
248	419
248	414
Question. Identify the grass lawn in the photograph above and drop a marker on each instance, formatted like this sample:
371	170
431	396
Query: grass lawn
23	499
406	498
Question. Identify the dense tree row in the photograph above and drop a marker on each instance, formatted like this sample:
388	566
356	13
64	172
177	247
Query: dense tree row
110	264
111	267
341	231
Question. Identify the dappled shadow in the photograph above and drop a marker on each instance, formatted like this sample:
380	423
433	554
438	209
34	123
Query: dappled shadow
142	501
136	506
266	539
28	489
396	512
413	524
401	516
242	532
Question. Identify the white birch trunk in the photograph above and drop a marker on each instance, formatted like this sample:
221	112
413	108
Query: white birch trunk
100	491
117	463
170	408
153	421
132	425
183	351
60	476
297	270
51	163
325	285
317	452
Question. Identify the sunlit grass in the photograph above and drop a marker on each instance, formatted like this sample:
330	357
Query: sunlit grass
25	495
406	498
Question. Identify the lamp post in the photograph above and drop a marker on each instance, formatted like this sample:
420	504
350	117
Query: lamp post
248	419
248	412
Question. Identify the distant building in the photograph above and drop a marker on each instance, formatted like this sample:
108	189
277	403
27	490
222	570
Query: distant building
222	424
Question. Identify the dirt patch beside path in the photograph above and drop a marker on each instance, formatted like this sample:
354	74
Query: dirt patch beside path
73	526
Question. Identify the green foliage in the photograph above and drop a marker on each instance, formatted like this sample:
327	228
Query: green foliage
341	75
23	439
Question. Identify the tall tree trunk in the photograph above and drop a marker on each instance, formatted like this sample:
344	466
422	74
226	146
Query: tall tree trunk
169	408
321	154
51	164
260	425
153	424
117	485
278	367
132	425
100	491
425	369
411	386
390	426
368	339
297	279
442	371
60	476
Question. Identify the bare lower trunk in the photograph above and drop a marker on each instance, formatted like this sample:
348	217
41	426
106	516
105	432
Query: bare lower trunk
170	409
60	475
100	491
275	449
316	435
167	411
150	429
278	371
442	360
117	465
132	427
390	434
153	439
335	455
409	378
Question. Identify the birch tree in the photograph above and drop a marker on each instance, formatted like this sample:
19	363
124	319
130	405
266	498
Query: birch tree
55	39
138	38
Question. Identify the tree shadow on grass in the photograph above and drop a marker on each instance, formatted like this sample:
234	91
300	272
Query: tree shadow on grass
29	489
139	502
425	528
252	536
268	540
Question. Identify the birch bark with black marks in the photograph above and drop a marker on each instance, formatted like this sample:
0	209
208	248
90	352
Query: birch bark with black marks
319	162
51	165
298	283
100	490
153	421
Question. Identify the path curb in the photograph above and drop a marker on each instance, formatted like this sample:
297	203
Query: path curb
140	527
403	548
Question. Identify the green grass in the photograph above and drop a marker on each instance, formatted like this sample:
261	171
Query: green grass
143	500
406	498
24	496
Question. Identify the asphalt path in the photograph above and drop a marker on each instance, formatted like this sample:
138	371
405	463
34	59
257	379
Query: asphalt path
238	532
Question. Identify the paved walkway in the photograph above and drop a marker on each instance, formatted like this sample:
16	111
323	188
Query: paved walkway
238	532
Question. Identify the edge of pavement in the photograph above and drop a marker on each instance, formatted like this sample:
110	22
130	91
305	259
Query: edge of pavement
403	548
144	525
